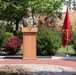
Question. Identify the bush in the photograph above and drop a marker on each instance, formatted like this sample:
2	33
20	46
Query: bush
73	39
7	36
9	28
19	34
2	34
13	45
48	41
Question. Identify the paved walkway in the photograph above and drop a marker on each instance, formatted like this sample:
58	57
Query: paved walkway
67	63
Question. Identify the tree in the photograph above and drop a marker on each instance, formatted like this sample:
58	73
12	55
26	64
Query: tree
15	9
46	6
12	10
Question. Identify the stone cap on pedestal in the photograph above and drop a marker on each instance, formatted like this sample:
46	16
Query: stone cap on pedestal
30	29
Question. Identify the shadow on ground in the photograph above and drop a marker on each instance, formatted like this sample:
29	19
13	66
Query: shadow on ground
11	57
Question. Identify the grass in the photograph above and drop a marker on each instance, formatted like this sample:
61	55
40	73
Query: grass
62	50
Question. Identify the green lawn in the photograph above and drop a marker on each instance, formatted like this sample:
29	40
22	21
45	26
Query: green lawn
62	50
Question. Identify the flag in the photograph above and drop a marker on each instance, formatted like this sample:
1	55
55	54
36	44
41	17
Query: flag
66	29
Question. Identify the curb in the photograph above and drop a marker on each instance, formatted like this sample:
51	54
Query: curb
11	57
64	58
41	57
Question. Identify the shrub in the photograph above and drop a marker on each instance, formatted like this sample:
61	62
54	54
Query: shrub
2	34
7	36
73	39
9	28
19	34
13	45
48	41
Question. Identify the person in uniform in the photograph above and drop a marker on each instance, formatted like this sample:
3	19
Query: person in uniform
28	20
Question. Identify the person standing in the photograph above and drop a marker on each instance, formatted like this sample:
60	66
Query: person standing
28	20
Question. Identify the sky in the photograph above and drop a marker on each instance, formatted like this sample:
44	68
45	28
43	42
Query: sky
64	9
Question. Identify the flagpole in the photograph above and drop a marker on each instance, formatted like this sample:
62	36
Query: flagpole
67	45
67	51
66	30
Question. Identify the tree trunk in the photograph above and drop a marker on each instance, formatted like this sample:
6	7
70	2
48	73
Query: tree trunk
16	27
17	22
